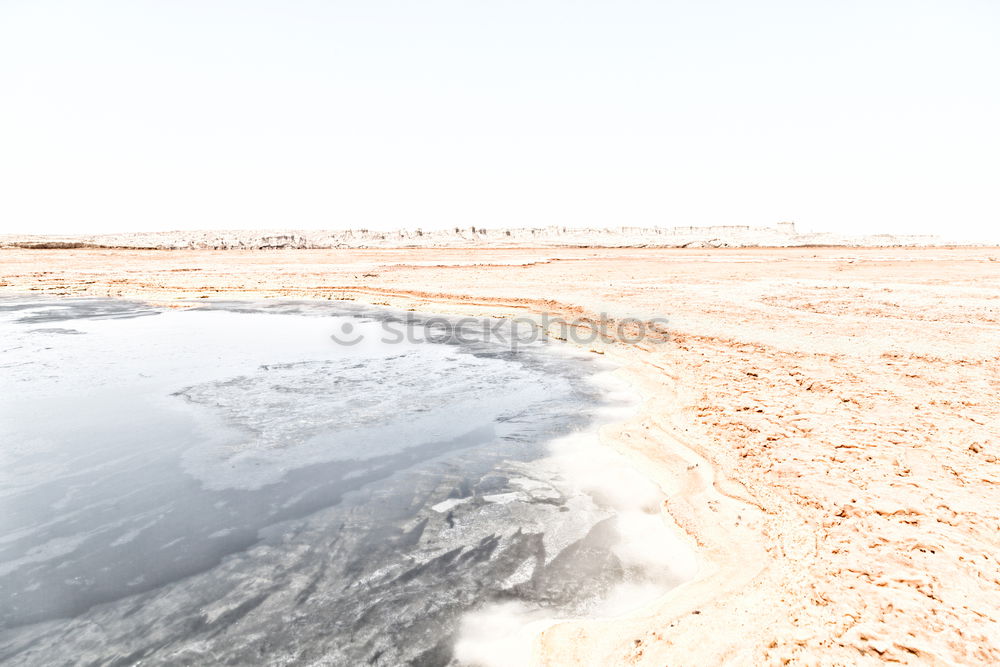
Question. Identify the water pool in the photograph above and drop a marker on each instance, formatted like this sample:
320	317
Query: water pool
228	484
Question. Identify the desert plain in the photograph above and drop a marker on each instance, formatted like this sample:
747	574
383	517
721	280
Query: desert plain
825	423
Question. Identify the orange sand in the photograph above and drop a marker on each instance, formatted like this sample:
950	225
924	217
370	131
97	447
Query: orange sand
826	423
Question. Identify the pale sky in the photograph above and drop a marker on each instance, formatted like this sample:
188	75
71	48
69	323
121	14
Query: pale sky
854	117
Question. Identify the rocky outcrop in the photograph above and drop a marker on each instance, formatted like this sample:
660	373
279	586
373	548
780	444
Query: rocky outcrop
782	234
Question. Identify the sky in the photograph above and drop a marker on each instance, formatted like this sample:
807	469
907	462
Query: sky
850	117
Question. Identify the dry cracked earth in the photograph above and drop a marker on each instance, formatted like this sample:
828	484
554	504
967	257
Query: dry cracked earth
843	405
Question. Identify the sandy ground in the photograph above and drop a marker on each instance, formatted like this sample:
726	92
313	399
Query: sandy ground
826	423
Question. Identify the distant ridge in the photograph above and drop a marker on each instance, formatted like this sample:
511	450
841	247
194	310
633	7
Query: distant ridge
782	234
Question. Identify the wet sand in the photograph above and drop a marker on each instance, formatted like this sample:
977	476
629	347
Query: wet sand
825	422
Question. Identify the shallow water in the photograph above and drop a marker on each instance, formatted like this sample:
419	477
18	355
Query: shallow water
226	484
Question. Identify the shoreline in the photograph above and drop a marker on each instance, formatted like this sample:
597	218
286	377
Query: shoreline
574	463
834	521
575	640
